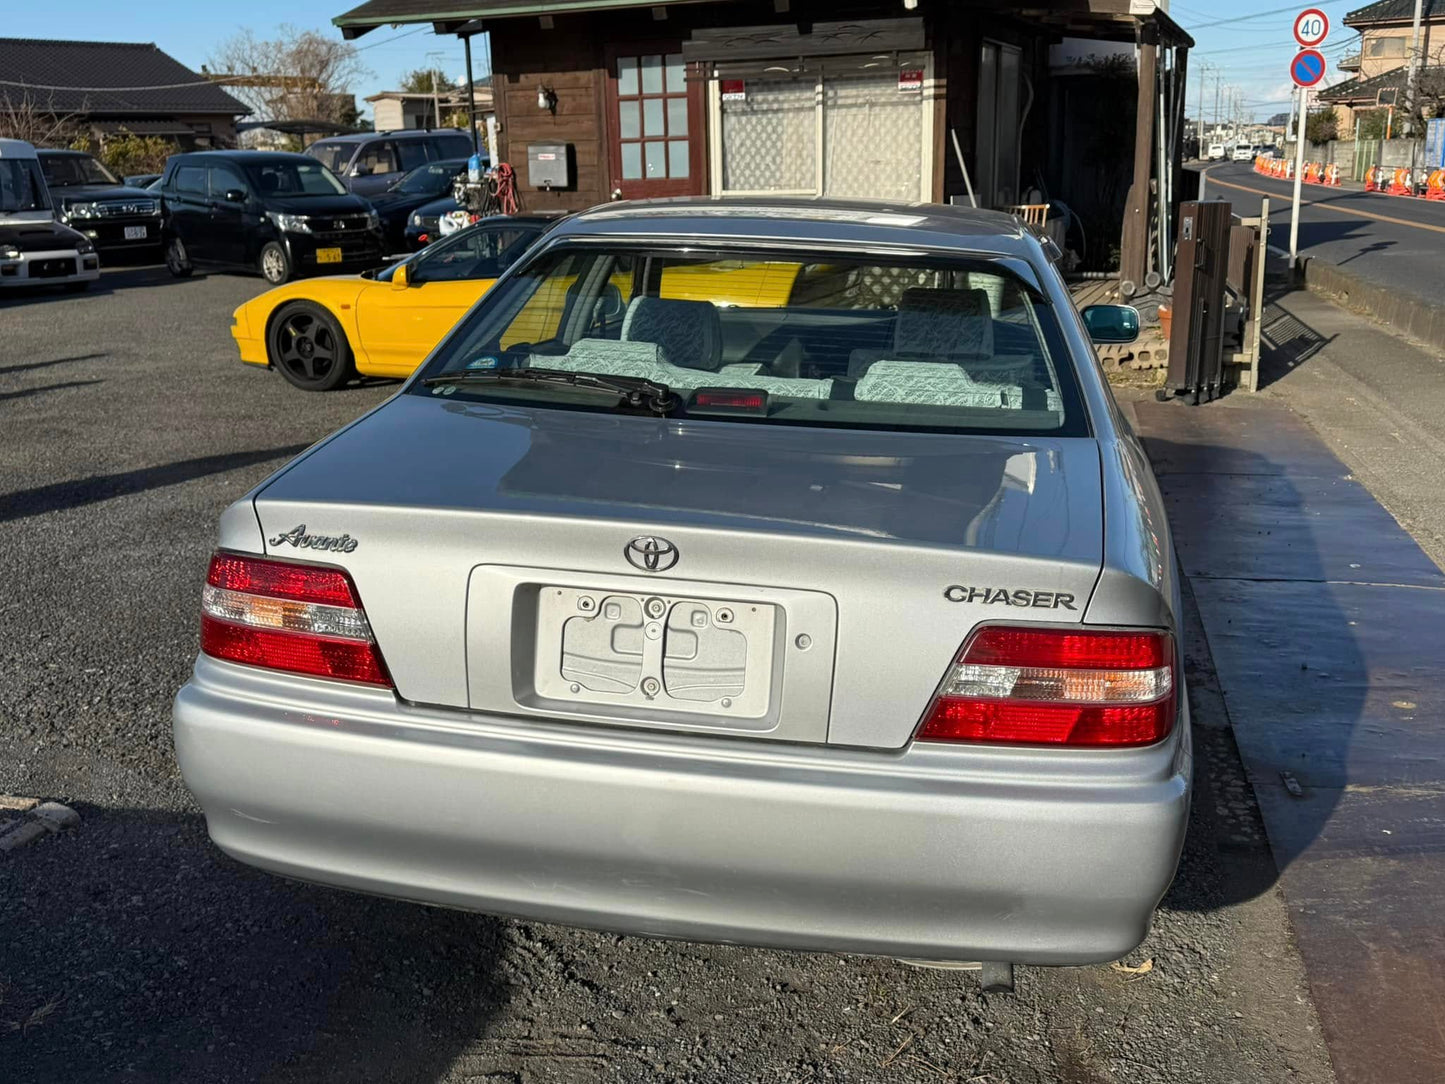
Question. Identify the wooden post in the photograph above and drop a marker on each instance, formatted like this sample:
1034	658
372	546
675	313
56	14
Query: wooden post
1134	238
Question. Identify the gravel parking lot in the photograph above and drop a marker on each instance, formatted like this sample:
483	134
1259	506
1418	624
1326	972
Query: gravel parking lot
131	949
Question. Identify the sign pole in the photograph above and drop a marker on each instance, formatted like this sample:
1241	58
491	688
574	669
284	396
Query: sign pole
1299	162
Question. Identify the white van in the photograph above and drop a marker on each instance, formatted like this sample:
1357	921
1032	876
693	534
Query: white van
36	250
1216	152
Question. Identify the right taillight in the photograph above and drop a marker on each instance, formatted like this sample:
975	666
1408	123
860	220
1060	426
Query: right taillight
284	615
1046	686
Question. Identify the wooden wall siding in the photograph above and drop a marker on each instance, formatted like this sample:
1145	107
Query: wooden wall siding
567	59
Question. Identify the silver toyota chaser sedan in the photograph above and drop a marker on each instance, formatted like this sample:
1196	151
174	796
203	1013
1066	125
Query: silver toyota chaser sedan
770	572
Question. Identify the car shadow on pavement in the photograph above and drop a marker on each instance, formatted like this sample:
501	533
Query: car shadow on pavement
1294	567
134	950
25	393
26	367
111	281
59	496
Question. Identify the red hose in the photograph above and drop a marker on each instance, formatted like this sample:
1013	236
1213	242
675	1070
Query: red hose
506	181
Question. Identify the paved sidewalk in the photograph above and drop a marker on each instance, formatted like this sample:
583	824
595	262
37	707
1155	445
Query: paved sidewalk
1326	623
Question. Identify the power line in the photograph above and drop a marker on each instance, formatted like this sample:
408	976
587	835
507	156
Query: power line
1259	15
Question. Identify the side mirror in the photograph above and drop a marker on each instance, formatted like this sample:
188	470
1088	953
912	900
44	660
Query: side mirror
361	171
1112	323
235	195
401	278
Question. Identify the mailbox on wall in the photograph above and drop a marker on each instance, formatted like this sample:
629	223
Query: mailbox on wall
547	165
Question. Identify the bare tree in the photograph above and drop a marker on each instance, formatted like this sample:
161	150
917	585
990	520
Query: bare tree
299	75
38	123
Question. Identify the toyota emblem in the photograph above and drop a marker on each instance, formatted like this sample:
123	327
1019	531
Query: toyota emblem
650	554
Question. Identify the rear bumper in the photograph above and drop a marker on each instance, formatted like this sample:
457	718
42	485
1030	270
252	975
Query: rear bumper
899	853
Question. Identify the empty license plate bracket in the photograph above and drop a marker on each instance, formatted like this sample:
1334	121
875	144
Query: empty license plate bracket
654	651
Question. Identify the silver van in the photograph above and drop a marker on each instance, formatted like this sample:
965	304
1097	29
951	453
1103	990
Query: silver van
35	249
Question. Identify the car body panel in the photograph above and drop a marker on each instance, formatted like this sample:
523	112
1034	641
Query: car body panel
817	508
938	853
886	547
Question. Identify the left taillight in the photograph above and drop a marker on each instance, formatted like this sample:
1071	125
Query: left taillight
284	615
1050	686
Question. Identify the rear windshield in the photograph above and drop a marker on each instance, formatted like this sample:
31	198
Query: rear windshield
21	187
293	178
830	340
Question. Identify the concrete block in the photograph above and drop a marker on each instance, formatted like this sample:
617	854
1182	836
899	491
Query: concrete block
55	817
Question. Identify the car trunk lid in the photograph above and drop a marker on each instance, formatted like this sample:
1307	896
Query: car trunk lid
737	578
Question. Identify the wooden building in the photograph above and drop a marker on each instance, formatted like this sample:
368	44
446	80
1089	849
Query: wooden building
851	98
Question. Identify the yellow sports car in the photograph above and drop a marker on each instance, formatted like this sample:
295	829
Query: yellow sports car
321	332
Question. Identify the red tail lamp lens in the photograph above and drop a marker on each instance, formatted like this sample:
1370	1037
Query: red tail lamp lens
280	615
1073	687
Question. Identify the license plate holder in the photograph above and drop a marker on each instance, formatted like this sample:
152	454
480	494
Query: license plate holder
661	652
328	255
135	233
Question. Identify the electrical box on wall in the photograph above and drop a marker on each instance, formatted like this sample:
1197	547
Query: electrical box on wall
547	165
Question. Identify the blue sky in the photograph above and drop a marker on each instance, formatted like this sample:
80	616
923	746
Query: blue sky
189	31
1252	54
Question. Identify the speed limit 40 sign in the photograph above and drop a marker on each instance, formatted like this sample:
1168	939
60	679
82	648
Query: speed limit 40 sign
1311	27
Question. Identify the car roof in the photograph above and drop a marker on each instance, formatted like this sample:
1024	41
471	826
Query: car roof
16	148
57	152
823	221
390	133
242	156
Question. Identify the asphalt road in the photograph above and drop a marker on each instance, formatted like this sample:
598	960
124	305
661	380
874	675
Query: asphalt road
1395	241
131	949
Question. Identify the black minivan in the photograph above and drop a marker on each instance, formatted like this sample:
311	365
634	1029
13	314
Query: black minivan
269	211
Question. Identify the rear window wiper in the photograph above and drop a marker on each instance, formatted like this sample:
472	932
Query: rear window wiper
635	391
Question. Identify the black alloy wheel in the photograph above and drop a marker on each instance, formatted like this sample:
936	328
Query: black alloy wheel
309	348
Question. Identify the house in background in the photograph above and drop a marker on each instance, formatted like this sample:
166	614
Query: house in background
1380	62
185	107
393	109
874	98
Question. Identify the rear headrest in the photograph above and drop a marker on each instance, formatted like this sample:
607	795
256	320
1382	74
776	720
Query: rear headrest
688	333
942	323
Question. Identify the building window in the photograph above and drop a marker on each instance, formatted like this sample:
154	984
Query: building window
652	120
847	128
1386	47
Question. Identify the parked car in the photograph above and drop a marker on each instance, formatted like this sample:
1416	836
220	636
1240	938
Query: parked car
36	250
423	225
323	332
119	219
1243	152
423	185
848	625
1216	152
271	212
370	162
141	180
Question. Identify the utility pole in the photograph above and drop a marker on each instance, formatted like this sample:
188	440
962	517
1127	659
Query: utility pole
436	101
1203	70
1414	72
1218	86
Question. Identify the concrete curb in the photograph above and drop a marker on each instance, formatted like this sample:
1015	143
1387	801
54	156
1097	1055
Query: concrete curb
44	818
1421	320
